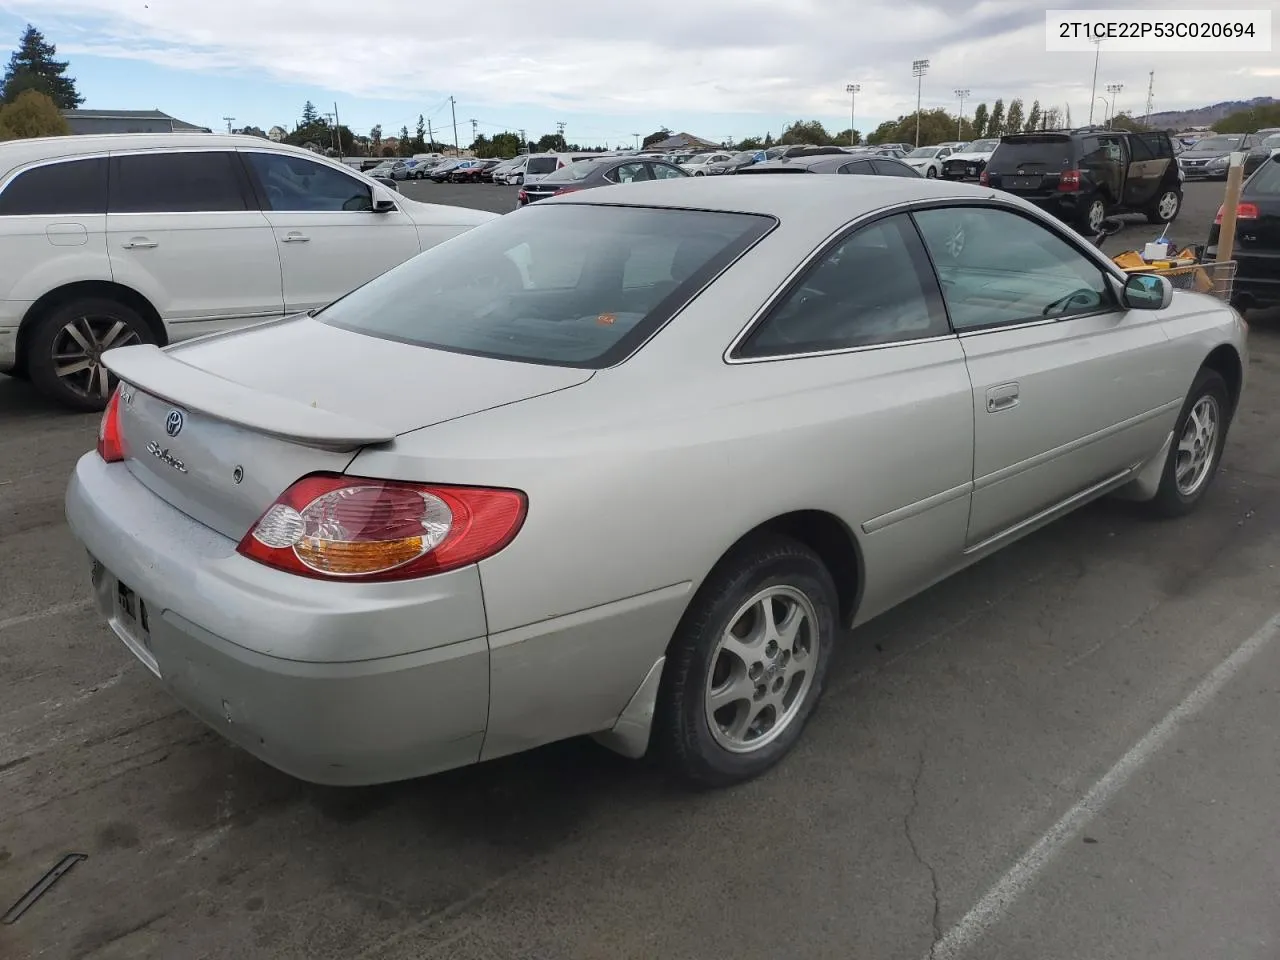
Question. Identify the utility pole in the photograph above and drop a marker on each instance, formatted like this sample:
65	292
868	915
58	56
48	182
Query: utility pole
918	69
1151	86
560	129
963	94
524	141
228	119
333	129
1113	89
852	90
474	135
1093	90
637	136
337	128
457	152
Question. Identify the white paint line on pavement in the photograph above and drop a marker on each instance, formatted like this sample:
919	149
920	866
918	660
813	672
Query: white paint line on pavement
997	901
53	611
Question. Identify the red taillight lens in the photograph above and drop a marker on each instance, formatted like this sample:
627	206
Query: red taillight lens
350	528
522	196
1245	211
564	190
983	179
1069	181
110	447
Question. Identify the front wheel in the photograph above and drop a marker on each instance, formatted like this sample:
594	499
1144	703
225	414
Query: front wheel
64	357
1198	440
747	664
1166	208
930	173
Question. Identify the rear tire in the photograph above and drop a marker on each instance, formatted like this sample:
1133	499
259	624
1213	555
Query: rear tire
66	344
1166	208
1091	217
756	640
1198	439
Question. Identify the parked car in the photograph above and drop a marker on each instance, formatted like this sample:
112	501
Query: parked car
968	164
871	166
1084	175
1257	243
422	169
1210	157
404	170
366	593
498	173
515	173
596	172
440	172
539	165
737	162
928	160
701	164
154	238
1271	144
478	172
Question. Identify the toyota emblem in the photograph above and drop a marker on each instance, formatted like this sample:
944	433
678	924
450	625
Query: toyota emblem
173	423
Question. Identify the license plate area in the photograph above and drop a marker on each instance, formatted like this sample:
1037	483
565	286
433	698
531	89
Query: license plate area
1022	183
131	623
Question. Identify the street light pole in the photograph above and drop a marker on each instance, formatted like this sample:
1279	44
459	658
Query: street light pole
963	94
852	90
1113	89
918	69
1093	91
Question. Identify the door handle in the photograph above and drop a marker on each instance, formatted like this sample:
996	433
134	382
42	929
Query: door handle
1002	397
296	238
141	243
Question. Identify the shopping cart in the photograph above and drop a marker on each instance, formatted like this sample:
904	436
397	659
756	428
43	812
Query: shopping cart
1185	270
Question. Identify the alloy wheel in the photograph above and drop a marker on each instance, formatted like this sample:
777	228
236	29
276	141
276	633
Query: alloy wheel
1197	447
1167	209
762	669
77	353
1097	213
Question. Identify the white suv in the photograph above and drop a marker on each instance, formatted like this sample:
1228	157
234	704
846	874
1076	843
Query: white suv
155	238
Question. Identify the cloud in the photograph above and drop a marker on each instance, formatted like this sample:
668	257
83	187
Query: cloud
775	57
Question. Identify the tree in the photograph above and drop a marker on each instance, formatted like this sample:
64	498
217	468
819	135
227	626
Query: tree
1033	118
1051	119
1013	119
750	143
420	140
935	126
995	126
980	119
1247	121
253	132
548	142
656	137
505	144
406	143
482	146
768	141
1122	121
375	138
32	114
309	116
806	131
32	67
846	137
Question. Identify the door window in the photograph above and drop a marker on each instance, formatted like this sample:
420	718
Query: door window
664	171
999	268
183	182
872	288
858	166
1140	149
1158	144
629	173
65	188
892	168
296	184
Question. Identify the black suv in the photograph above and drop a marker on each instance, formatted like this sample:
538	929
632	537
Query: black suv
1082	176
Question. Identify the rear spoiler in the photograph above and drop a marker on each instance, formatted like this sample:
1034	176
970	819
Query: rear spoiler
160	374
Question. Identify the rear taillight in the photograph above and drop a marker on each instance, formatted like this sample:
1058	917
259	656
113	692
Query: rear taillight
983	179
110	447
564	190
522	197
333	527
1244	211
1069	181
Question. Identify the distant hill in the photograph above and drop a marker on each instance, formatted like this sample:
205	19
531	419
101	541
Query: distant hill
1204	116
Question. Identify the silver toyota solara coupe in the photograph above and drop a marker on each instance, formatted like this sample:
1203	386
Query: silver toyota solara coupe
627	463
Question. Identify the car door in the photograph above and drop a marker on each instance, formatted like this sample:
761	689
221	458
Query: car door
1070	390
858	351
329	236
184	230
1145	173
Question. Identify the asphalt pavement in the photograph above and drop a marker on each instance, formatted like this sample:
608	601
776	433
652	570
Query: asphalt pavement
1067	751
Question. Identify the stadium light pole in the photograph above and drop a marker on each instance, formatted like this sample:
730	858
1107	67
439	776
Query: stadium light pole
918	69
1093	90
1113	89
852	90
963	94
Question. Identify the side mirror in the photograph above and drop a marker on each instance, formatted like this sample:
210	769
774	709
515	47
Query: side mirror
1147	291
382	201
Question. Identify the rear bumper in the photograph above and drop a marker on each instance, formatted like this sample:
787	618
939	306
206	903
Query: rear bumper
274	662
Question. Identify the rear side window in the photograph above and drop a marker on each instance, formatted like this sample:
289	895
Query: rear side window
1140	150
569	285
1266	182
891	168
858	166
58	189
198	182
1158	144
540	165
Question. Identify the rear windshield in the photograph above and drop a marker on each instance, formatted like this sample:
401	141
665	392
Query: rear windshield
982	146
538	165
1225	144
568	285
1266	182
1042	153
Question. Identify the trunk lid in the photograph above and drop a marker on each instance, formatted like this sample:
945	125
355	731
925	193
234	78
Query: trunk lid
220	426
1030	164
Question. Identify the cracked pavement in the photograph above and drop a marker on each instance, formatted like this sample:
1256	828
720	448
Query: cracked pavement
955	732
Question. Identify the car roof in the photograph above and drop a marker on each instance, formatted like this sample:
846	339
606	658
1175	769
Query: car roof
823	203
17	153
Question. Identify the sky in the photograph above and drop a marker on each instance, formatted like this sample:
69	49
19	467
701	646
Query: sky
606	68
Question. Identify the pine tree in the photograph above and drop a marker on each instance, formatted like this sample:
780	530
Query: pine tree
309	116
32	67
1013	119
1034	117
420	141
995	126
980	118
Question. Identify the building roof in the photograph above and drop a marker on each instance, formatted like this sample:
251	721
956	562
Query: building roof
679	141
131	115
